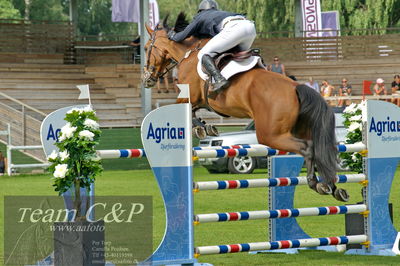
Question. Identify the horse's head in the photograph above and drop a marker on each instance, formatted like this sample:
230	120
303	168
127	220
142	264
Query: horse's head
159	49
158	57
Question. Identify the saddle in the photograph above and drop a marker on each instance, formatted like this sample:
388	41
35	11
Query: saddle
223	59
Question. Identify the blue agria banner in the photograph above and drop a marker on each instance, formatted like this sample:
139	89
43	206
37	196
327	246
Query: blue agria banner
166	133
51	128
167	139
383	130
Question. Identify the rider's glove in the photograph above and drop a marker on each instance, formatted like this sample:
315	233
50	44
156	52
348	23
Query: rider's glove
171	34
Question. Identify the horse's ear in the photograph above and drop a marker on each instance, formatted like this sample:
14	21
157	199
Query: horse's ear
165	20
148	28
181	22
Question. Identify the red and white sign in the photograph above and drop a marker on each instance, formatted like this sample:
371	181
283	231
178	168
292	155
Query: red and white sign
311	16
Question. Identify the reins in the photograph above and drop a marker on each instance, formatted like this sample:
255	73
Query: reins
171	65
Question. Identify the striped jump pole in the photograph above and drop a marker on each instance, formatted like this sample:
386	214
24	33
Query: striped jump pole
220	151
252	152
260	150
123	153
284	213
246	146
341	147
356	147
269	182
298	243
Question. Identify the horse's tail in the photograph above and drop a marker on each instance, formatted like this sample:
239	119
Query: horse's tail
316	116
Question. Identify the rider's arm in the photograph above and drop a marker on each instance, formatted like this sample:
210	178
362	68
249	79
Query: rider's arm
188	31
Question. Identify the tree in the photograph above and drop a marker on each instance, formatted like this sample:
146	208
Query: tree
8	11
94	16
365	14
50	10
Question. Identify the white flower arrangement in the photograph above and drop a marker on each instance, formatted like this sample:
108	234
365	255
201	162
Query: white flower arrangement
91	124
53	156
60	170
64	155
353	115
76	164
86	135
67	131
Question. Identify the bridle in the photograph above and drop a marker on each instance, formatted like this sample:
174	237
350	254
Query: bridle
150	69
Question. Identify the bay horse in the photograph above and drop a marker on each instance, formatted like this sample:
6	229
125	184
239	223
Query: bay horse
288	116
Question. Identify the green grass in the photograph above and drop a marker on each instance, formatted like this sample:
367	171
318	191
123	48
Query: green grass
142	182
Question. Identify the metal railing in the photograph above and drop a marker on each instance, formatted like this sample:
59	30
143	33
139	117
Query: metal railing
25	124
10	148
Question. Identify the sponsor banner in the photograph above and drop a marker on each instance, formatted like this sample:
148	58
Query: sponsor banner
154	16
383	129
51	128
330	23
38	231
167	140
167	136
125	11
129	11
311	16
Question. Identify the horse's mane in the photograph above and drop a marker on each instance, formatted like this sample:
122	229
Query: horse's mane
181	22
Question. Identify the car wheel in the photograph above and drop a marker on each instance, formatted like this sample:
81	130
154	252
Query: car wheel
241	165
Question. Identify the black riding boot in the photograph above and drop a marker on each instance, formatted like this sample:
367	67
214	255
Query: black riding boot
220	82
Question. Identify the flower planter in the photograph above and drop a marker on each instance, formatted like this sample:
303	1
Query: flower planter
79	243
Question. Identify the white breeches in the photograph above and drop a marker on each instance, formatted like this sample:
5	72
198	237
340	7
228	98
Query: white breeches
235	33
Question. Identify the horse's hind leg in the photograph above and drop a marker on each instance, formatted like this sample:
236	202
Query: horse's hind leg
287	142
308	155
320	187
312	180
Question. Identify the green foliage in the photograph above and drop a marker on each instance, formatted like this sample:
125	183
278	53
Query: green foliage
77	162
94	16
272	15
8	11
51	10
365	14
353	123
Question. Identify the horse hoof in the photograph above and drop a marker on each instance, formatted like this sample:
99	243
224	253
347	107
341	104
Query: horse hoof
341	195
211	130
323	189
199	132
312	182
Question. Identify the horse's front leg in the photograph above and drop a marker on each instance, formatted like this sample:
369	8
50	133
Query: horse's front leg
198	127
201	129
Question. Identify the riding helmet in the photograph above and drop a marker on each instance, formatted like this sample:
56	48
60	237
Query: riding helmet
208	4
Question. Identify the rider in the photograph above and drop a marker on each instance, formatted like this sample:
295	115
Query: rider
226	29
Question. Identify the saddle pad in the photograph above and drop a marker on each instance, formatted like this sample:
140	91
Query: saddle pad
233	67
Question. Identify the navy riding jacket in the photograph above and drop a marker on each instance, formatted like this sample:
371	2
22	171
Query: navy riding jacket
205	24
